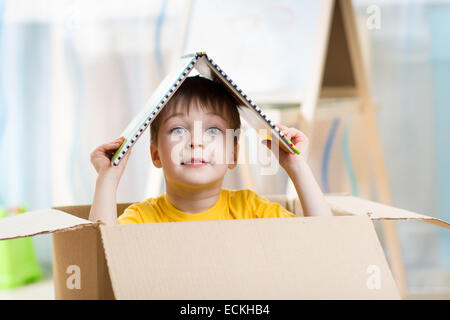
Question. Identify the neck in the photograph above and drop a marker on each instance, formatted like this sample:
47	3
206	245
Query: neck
193	200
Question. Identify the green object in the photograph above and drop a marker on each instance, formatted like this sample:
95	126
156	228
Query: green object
18	263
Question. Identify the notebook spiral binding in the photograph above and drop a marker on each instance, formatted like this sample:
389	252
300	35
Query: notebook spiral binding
249	101
159	106
244	96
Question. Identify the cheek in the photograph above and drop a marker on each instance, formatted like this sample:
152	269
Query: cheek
219	151
167	150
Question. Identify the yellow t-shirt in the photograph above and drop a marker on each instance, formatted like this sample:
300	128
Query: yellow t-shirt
232	204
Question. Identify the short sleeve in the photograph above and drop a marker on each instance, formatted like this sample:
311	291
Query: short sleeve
263	208
131	215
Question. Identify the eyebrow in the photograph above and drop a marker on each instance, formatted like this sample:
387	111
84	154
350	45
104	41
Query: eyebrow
182	114
173	115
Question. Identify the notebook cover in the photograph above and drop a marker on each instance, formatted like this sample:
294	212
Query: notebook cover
209	69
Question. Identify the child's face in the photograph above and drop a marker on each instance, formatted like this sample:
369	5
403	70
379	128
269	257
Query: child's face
194	149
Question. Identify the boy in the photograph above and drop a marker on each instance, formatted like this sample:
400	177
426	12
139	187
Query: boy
190	142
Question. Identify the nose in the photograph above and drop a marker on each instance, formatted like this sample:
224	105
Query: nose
193	145
196	137
196	141
196	149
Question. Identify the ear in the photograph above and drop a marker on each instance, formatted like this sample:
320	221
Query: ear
235	157
155	156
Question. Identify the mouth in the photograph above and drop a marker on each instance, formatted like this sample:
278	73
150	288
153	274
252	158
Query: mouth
194	163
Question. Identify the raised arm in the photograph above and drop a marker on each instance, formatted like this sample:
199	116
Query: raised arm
311	197
104	204
309	192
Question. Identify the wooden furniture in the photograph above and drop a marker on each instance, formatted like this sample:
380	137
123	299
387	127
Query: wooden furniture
335	69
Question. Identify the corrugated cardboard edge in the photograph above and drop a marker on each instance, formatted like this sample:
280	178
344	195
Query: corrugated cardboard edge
20	223
348	205
112	277
77	227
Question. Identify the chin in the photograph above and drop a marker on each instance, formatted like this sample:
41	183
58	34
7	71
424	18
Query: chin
197	181
199	178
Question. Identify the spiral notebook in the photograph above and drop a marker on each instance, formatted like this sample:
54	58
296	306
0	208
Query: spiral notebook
206	67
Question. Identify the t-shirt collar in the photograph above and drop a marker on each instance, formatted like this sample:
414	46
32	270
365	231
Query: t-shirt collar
179	215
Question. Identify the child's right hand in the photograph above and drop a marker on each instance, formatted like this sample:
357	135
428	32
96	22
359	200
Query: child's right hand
101	160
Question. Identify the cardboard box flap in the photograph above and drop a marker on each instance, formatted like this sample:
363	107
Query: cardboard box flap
271	258
348	205
39	222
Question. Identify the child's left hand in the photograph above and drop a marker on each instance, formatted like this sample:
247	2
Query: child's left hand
289	161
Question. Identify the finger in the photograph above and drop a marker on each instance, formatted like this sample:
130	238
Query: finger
114	145
110	153
295	135
299	136
118	140
289	133
285	130
281	127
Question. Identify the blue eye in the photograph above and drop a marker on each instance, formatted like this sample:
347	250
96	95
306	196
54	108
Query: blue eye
178	130
214	131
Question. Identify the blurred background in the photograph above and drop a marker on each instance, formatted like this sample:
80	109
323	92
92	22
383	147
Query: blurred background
73	73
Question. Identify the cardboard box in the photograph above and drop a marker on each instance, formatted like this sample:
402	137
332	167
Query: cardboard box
336	257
